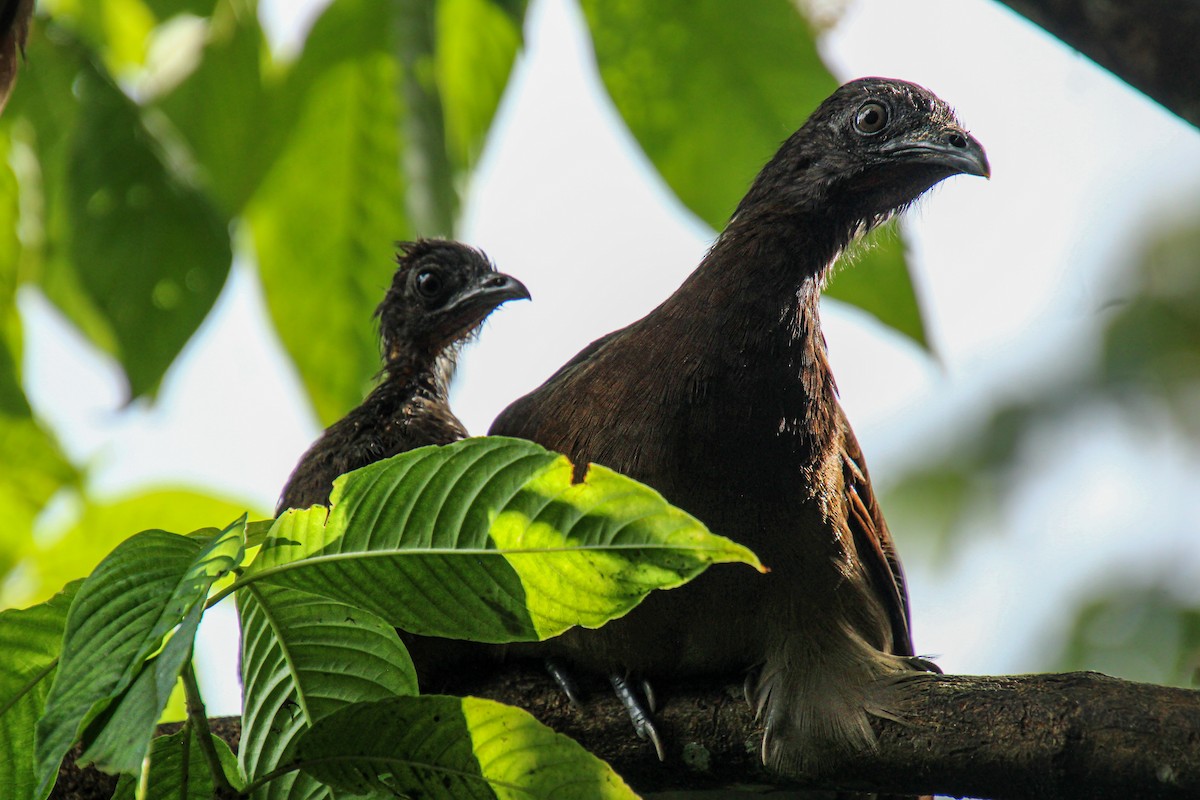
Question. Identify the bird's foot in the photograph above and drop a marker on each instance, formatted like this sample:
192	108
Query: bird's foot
565	680
643	724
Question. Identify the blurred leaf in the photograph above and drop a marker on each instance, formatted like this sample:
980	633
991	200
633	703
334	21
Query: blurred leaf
452	748
304	657
223	109
875	278
710	91
118	30
100	526
151	252
140	592
178	771
490	539
44	114
1152	345
477	42
326	215
30	643
1137	633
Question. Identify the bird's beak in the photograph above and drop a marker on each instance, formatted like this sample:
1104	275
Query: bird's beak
952	148
488	292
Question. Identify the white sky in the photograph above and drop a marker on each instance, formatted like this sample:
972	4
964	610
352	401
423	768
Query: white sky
1012	272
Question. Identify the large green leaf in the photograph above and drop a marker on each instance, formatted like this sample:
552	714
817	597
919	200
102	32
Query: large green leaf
73	551
149	250
325	216
710	92
30	643
489	539
32	467
304	657
453	748
44	115
477	42
224	108
177	769
145	588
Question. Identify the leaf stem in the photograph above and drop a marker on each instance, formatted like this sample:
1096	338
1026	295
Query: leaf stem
256	784
432	201
198	718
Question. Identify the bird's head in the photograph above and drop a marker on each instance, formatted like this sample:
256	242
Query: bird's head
440	295
870	149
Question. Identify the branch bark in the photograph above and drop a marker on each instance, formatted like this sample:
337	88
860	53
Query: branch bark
1051	737
1149	44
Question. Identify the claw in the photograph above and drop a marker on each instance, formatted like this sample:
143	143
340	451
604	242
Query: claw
642	723
648	693
923	664
566	682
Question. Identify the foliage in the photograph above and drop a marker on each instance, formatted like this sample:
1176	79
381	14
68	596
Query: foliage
330	692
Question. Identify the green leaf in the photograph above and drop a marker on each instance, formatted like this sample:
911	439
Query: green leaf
489	539
325	216
74	550
44	115
1141	633
477	42
118	30
150	251
304	657
116	741
30	643
874	277
224	110
177	769
452	747
145	588
710	95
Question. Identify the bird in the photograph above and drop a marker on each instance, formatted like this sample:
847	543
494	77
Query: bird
441	293
722	398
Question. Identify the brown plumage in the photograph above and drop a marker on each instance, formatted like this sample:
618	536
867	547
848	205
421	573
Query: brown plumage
440	295
723	400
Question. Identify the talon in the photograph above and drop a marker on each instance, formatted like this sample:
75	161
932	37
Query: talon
923	664
642	723
566	682
648	693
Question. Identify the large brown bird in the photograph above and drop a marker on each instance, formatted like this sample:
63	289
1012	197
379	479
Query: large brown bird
722	399
440	295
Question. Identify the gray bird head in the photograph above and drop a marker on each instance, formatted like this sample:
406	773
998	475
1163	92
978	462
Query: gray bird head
870	149
440	295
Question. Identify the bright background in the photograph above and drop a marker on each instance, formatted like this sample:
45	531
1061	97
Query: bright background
1016	275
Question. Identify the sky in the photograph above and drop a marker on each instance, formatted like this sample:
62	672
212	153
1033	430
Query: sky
1013	274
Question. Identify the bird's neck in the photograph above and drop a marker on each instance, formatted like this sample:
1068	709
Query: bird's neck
758	289
412	380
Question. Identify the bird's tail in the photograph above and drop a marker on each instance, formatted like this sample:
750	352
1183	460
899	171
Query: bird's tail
816	707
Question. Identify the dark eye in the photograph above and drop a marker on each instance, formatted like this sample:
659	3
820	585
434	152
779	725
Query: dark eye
871	117
430	284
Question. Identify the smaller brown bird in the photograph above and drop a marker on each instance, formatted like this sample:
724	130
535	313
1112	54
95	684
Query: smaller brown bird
440	295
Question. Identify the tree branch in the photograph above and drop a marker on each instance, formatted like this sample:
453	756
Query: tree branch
1051	737
1149	44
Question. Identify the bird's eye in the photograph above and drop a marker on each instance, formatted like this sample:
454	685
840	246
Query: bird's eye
871	117
429	284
